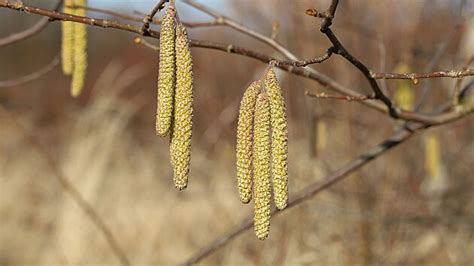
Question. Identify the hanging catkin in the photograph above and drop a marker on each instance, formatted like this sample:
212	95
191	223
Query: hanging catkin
279	140
180	148
80	51
67	40
261	150
166	78
245	140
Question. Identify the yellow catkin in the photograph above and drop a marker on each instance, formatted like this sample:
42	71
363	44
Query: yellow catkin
245	140
67	40
432	155
279	140
181	132
166	78
261	150
321	134
80	52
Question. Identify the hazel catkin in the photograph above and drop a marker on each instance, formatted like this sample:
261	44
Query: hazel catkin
261	151
166	78
279	140
180	147
67	40
245	140
80	52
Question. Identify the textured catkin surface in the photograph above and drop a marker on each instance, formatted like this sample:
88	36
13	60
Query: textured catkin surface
67	41
181	133
279	140
80	52
261	149
245	140
166	78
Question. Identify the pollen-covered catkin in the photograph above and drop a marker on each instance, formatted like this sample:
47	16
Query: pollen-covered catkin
67	40
279	140
261	150
245	140
166	78
180	148
80	52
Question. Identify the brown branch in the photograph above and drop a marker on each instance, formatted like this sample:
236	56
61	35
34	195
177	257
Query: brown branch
312	189
432	119
70	189
32	76
149	18
33	30
415	76
324	95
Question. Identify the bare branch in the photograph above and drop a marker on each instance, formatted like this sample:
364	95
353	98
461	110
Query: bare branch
415	76
149	18
324	95
431	119
32	76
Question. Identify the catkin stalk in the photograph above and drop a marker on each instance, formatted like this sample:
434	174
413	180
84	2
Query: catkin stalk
80	52
166	78
180	148
245	140
279	140
67	41
261	150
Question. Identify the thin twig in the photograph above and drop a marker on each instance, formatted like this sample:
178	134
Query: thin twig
149	18
32	76
415	76
432	119
324	95
70	189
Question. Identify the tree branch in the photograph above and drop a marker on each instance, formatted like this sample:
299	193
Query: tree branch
432	119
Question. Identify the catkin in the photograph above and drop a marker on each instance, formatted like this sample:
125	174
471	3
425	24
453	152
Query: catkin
261	150
180	148
432	155
166	78
245	140
279	140
67	40
80	52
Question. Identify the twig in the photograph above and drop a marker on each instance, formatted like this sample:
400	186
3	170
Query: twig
32	76
149	18
70	189
35	29
432	119
415	76
341	50
311	190
324	95
138	40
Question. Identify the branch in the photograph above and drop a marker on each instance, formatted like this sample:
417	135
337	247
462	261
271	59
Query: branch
32	76
431	119
324	95
149	18
311	190
415	76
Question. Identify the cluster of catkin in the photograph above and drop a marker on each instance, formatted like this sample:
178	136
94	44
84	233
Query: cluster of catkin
262	150
74	46
175	95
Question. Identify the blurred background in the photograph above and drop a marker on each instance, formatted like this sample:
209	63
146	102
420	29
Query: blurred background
412	206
